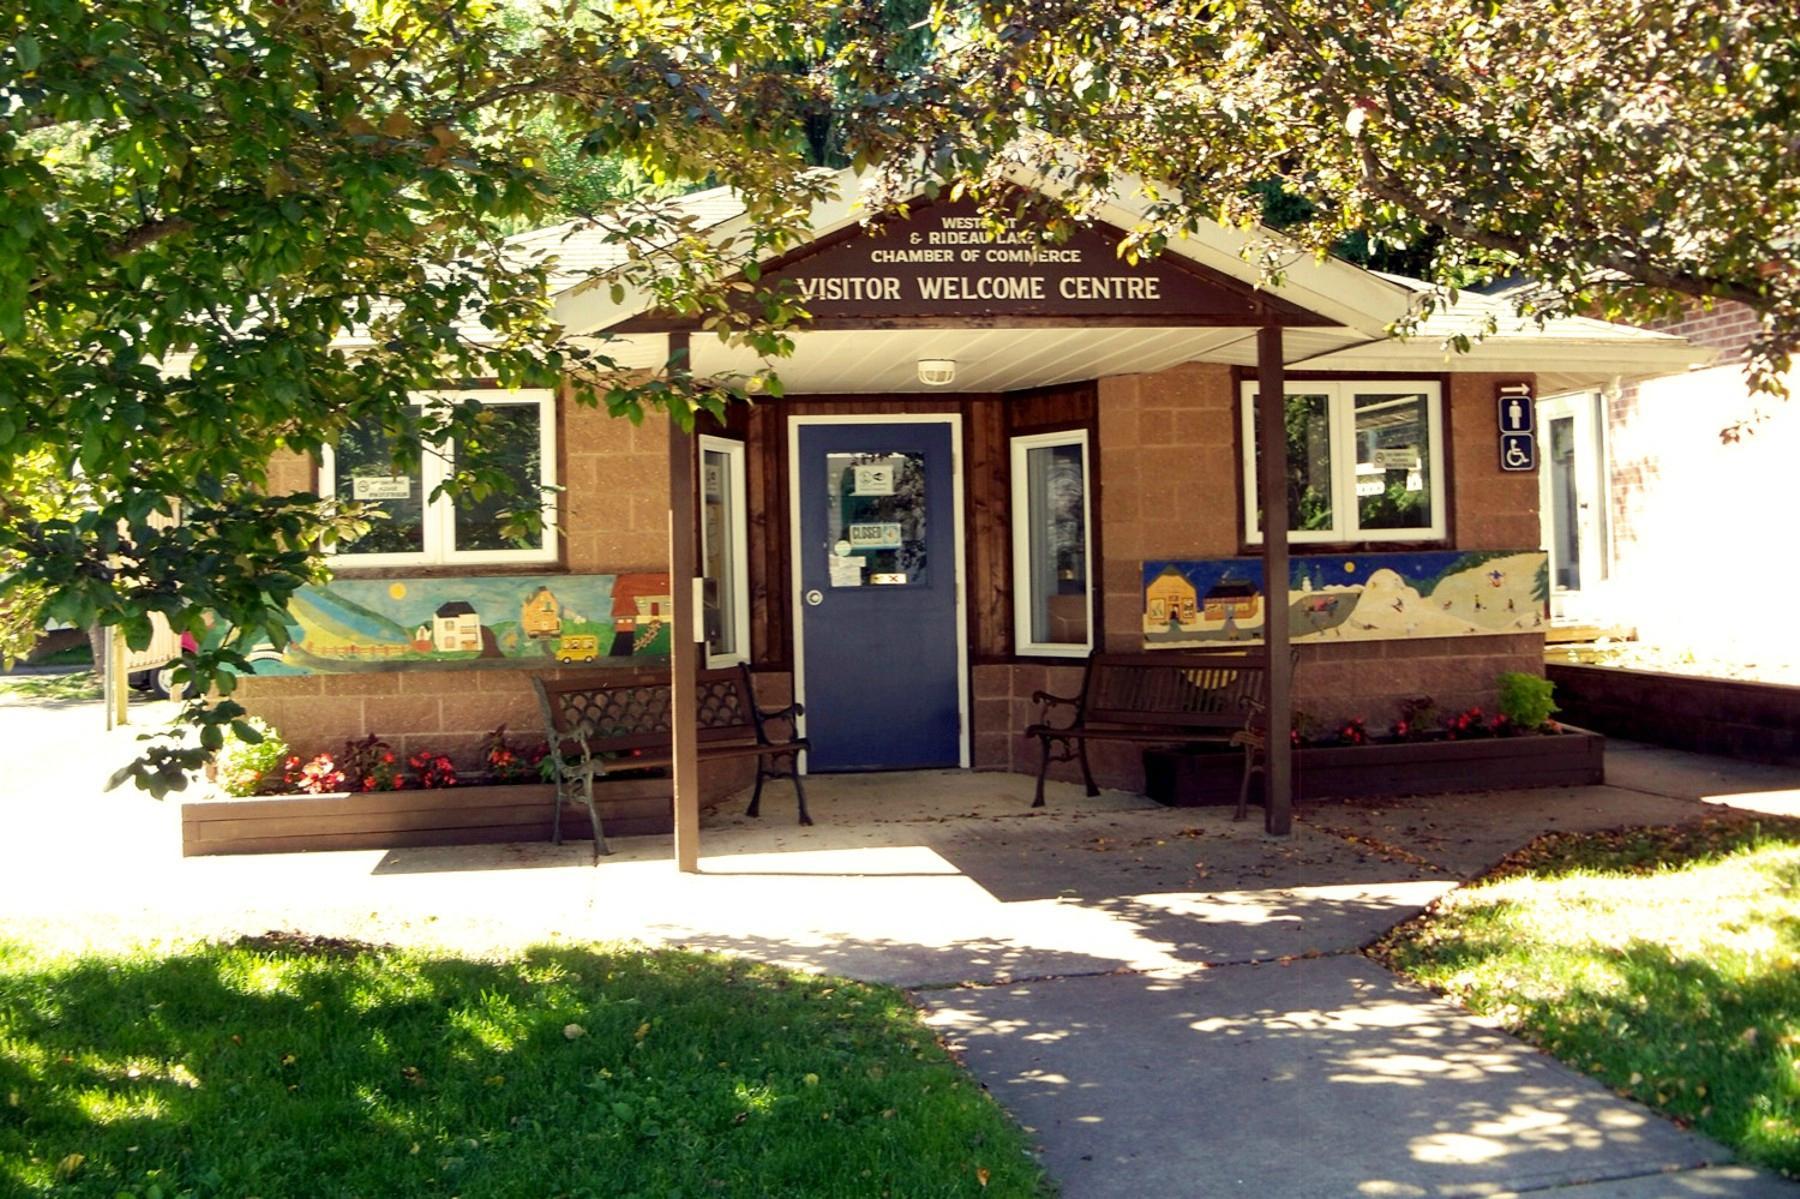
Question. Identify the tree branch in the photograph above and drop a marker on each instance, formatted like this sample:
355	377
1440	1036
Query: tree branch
1383	184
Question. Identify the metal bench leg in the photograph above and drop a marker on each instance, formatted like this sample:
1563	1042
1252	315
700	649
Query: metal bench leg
800	791
1250	767
755	808
587	792
1043	769
1086	772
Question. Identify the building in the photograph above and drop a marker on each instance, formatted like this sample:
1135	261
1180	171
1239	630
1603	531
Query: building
1635	476
540	616
1171	599
1048	428
456	627
1231	599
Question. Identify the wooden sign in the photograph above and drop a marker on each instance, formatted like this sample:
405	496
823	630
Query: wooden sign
943	261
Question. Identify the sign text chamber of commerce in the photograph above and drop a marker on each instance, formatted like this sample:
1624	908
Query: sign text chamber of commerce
944	261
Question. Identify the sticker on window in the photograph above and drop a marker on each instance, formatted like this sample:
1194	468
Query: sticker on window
875	478
380	487
880	535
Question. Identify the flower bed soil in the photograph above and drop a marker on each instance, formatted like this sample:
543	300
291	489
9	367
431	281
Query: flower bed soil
1571	758
1734	717
472	815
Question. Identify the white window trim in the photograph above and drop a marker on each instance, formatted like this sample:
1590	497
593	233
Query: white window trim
738	551
439	519
1341	418
1021	534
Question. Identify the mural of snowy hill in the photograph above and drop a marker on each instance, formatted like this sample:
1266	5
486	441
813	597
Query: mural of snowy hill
1348	597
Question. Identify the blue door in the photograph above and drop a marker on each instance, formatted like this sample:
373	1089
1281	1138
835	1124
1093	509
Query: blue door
877	546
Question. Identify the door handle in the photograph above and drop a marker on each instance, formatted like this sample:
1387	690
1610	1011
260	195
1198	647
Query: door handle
815	597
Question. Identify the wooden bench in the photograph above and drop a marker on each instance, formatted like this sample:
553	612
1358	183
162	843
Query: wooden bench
608	721
1159	698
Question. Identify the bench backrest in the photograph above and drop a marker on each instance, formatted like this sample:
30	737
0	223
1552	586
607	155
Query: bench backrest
623	709
1188	690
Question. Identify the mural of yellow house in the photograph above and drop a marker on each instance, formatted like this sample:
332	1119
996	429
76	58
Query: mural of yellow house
457	627
1170	597
540	615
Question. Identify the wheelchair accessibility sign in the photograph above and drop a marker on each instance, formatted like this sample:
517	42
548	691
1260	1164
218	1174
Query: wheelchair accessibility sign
1518	427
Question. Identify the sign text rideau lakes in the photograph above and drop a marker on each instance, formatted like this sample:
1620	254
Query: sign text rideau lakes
946	259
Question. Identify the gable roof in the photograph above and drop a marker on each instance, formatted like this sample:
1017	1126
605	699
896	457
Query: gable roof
1342	293
1358	307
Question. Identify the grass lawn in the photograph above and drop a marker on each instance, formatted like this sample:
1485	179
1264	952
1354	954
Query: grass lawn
81	685
1666	962
288	1067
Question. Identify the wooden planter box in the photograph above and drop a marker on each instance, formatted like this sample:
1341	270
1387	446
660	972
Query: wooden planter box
1572	758
1732	717
476	815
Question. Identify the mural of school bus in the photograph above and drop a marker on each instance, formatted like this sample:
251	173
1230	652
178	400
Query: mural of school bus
577	647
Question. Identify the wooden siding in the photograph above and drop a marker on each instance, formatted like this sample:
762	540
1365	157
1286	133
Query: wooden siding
989	421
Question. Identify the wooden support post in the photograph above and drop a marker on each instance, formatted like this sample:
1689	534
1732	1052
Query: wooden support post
114	684
1271	489
684	651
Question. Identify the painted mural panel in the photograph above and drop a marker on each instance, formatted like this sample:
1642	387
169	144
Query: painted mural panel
1348	597
484	622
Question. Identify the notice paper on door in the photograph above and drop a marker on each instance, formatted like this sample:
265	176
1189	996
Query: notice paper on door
846	572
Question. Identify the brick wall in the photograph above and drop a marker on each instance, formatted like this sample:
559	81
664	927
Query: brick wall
614	520
1169	488
1727	327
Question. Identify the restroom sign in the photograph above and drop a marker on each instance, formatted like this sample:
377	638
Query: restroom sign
1518	426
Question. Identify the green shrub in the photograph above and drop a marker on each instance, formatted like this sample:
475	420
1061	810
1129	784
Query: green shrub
244	766
1525	699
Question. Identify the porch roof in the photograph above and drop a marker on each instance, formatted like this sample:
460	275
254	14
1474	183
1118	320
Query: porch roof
1360	306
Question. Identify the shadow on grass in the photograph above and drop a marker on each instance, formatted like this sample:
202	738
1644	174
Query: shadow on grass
307	1067
1706	1032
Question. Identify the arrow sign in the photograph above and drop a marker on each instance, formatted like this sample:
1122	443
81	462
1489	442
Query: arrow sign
1518	426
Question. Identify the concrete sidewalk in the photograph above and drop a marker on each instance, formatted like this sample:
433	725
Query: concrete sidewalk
1173	1003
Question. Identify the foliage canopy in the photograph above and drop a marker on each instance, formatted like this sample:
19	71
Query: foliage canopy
231	228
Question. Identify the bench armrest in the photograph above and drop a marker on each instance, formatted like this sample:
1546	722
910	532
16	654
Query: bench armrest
787	713
791	714
1048	703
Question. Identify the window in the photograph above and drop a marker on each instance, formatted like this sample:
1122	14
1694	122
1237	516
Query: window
1365	462
724	552
424	531
1053	603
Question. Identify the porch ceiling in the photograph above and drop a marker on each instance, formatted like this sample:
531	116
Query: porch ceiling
885	361
882	361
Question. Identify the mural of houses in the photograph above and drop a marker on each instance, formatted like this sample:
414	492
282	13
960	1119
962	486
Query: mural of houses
457	626
540	616
422	641
1232	599
1170	598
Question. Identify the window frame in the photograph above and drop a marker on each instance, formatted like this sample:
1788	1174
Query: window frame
738	550
438	519
1021	446
1340	412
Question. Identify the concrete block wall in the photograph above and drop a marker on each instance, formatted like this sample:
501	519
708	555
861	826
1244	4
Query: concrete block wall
1169	488
614	520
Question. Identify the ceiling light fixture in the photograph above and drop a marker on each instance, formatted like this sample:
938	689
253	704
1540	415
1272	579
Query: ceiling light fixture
937	372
